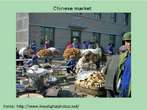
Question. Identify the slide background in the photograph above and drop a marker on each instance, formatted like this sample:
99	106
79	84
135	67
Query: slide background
8	12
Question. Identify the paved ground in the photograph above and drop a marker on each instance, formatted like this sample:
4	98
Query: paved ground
65	86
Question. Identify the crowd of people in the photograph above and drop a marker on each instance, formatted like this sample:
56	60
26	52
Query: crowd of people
83	45
109	49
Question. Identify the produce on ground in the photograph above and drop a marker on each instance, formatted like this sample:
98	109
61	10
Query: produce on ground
94	81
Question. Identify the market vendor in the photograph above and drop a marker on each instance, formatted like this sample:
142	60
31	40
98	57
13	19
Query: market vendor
34	46
71	63
75	43
32	61
35	59
84	59
46	44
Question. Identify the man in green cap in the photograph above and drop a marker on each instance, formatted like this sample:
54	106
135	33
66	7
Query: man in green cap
118	71
123	76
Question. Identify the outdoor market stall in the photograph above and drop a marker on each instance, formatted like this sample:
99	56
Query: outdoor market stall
44	78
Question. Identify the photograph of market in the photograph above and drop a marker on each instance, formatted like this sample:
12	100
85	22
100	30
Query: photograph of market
74	55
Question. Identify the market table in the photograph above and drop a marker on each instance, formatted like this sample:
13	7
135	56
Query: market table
21	61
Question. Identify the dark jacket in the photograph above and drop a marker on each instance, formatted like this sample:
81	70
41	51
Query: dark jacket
71	63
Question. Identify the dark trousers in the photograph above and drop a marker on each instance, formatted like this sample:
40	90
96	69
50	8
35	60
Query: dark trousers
70	70
110	93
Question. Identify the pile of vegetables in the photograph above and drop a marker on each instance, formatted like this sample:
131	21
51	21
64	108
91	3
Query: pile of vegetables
71	51
48	52
94	81
44	52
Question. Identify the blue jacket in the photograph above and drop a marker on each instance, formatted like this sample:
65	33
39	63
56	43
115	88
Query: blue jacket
126	78
34	47
71	63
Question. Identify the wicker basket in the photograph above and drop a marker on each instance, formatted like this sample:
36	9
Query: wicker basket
95	92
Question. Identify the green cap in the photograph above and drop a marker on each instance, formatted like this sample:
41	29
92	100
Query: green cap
127	36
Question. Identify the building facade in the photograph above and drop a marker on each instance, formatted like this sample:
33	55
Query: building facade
58	28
